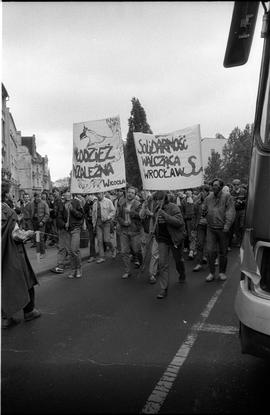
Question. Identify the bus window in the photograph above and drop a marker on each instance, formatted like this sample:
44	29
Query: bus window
265	121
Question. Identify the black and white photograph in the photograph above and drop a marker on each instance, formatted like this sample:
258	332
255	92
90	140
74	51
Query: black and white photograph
135	207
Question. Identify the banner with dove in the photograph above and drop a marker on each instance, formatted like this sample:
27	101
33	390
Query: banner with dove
98	156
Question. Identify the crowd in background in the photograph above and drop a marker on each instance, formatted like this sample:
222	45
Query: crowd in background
200	224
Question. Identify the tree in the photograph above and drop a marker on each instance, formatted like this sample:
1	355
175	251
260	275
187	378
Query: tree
237	154
137	122
214	167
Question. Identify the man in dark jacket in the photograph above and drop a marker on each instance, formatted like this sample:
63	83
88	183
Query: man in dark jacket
60	216
218	208
169	234
18	277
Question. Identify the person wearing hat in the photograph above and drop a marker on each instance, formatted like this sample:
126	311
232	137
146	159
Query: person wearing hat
239	194
169	233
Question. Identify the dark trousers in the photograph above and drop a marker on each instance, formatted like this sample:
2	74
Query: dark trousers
201	240
217	238
91	238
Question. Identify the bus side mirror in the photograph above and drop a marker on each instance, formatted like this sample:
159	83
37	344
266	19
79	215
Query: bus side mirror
241	33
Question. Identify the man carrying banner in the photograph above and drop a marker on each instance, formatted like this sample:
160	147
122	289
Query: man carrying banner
169	234
130	229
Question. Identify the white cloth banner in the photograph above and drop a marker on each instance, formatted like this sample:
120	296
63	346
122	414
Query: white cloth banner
170	161
98	156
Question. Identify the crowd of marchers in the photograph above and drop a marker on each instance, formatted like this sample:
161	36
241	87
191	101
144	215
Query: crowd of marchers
144	227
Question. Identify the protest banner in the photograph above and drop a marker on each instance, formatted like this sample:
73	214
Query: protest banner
98	156
170	161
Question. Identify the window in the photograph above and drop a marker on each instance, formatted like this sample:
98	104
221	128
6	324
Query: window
265	121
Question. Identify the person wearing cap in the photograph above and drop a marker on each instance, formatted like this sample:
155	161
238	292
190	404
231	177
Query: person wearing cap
239	194
169	233
218	208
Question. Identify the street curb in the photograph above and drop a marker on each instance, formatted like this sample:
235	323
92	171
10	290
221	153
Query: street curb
45	271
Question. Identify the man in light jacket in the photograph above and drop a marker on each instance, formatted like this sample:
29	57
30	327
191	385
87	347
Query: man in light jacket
218	208
102	215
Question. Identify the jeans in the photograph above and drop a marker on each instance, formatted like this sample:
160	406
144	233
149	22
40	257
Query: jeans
164	251
103	236
217	238
75	253
201	240
129	240
153	264
64	247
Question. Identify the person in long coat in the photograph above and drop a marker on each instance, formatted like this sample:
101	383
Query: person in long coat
18	277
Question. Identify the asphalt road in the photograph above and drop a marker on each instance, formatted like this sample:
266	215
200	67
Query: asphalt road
107	345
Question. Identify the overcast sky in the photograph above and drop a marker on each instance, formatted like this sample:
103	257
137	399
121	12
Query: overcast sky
70	62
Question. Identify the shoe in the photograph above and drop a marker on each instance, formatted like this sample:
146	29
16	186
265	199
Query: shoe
78	273
71	275
181	279
209	277
32	315
222	276
204	260
100	260
162	294
91	259
137	264
197	268
191	254
125	276
8	322
152	279
57	270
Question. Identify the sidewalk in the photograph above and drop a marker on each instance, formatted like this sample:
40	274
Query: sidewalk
50	259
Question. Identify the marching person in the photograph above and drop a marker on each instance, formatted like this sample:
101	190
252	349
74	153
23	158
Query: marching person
102	215
74	219
169	234
201	227
88	214
18	277
128	217
39	215
239	194
218	208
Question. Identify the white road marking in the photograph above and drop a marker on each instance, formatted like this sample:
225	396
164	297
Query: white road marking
161	390
216	328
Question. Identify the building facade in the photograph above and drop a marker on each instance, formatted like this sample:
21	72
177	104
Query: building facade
22	166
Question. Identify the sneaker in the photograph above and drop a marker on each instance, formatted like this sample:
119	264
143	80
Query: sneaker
78	273
222	276
162	294
91	259
100	260
57	270
209	277
32	315
8	322
137	264
197	268
152	279
125	275
71	275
